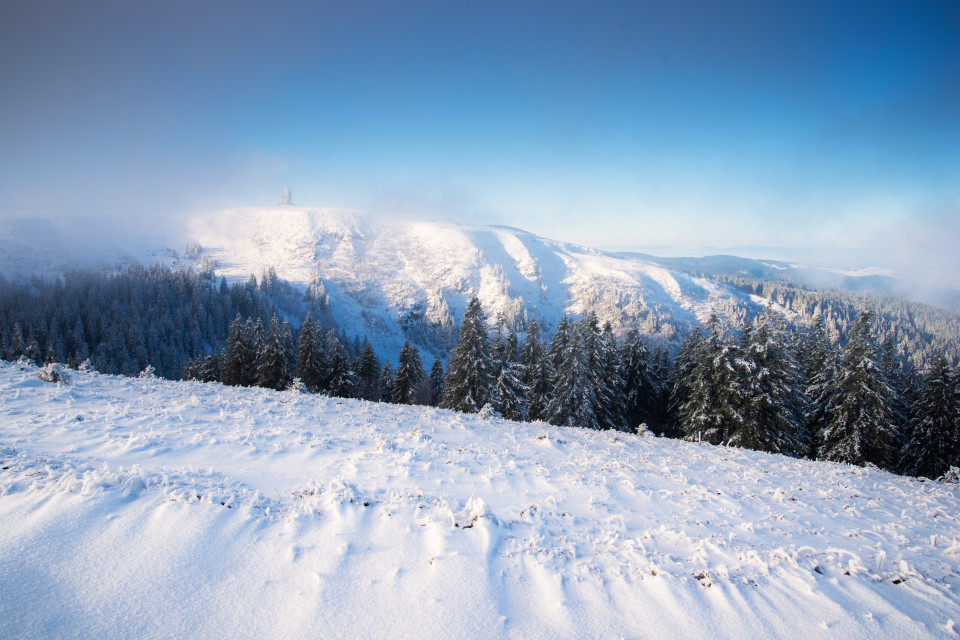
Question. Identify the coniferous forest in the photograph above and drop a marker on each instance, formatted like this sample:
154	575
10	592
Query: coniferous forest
848	388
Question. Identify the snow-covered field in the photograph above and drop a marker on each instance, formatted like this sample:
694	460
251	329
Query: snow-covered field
142	508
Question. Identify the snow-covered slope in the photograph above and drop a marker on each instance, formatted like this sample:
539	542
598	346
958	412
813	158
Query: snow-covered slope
388	274
144	508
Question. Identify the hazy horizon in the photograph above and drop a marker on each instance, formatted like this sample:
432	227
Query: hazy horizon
827	127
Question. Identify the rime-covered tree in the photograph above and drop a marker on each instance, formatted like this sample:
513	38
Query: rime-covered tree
573	398
341	381
558	345
641	392
236	355
310	360
538	372
408	376
468	385
386	382
859	430
768	383
436	382
611	387
367	368
711	409
934	444
818	367
256	349
272	365
509	392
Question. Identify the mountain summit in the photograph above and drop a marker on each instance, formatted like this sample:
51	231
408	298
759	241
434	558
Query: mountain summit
390	276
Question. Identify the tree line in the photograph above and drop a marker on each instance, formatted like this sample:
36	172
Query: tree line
763	385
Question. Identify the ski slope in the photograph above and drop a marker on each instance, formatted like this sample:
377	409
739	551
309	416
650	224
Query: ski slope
146	508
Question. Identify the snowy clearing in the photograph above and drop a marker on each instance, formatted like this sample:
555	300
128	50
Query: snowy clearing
147	508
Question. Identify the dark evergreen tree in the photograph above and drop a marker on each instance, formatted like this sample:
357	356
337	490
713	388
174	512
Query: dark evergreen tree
468	385
386	383
688	358
341	380
819	361
436	382
859	430
510	398
768	380
256	350
558	345
573	399
367	368
538	372
235	355
712	410
408	376
310	360
611	388
636	365
272	371
934	445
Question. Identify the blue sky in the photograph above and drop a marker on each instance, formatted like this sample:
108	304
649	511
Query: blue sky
833	125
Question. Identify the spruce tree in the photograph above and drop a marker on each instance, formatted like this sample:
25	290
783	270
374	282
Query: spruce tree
468	385
818	361
255	331
611	385
768	379
573	398
310	362
859	430
436	382
236	355
538	372
341	381
639	394
367	368
934	445
272	371
711	410
509	393
386	383
408	376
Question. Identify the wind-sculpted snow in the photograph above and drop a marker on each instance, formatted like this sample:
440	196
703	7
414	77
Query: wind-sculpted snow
145	508
394	276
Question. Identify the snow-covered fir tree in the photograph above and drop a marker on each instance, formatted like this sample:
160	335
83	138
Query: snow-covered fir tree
385	382
341	381
859	430
574	396
273	363
934	444
310	357
768	381
436	382
510	397
367	368
538	372
468	385
408	376
711	409
236	354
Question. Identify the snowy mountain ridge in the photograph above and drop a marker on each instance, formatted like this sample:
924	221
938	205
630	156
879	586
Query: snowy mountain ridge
390	276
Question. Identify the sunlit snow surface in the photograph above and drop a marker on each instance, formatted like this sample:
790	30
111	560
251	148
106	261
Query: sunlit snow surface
142	508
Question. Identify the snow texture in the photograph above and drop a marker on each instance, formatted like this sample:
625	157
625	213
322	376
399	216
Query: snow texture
146	508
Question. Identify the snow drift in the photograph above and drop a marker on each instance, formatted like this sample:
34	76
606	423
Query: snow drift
146	508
